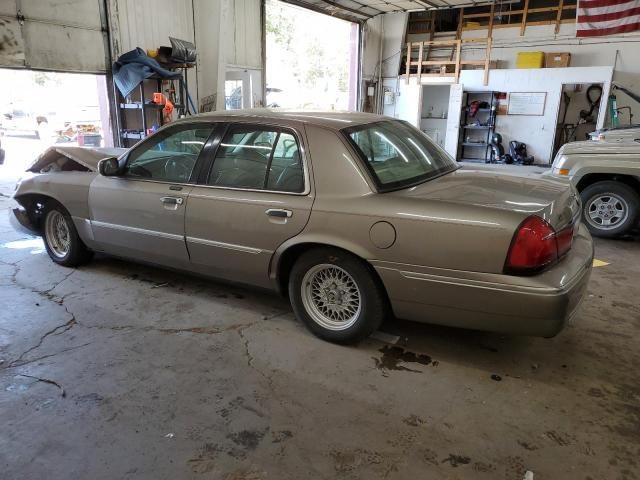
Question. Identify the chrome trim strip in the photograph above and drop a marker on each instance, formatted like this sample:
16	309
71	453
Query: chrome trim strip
228	246
406	270
163	182
234	199
216	187
142	231
479	284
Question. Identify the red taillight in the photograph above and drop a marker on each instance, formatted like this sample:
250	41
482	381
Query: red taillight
564	239
536	245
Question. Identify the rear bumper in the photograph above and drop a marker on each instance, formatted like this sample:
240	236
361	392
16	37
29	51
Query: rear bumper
540	305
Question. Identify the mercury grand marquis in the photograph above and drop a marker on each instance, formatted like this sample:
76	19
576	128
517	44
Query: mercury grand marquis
354	216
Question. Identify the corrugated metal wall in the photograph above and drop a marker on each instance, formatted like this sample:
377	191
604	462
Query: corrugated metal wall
62	35
242	32
150	23
227	33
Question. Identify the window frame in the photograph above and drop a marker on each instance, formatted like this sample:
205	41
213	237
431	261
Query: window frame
393	186
175	126
269	127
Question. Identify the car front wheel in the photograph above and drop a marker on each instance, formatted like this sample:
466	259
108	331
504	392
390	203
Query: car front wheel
336	295
610	208
61	239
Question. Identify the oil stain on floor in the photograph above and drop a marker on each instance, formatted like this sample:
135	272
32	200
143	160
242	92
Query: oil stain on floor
393	357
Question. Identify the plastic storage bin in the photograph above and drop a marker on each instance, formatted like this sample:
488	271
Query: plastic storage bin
530	60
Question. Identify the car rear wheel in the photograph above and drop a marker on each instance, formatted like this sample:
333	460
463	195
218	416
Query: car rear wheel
336	295
61	239
610	208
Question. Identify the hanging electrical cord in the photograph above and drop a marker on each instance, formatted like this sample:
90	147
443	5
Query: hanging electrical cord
585	115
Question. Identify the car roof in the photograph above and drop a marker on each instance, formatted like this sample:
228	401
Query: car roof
335	120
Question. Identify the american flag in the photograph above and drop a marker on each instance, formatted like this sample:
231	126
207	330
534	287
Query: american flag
607	17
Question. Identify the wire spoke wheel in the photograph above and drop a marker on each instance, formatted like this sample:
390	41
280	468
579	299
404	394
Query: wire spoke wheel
57	234
607	211
331	297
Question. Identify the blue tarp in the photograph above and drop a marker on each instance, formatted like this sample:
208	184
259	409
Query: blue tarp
133	67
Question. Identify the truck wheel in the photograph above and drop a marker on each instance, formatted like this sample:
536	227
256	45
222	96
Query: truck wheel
336	295
609	208
61	239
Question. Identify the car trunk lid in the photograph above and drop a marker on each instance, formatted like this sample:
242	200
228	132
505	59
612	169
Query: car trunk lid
522	192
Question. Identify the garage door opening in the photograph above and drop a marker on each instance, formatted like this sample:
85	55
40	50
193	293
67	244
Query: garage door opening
40	109
312	59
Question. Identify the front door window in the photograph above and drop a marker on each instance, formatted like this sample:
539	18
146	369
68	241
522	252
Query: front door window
170	155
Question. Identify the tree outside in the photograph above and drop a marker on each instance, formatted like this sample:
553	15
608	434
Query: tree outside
309	55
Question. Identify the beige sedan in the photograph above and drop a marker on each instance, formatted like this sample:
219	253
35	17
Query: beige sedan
355	217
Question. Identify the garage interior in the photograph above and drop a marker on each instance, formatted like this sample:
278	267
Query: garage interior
122	370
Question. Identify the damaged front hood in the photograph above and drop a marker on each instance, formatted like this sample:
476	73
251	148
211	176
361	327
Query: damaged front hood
57	158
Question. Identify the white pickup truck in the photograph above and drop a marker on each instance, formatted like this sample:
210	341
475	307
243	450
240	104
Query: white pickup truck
618	134
607	175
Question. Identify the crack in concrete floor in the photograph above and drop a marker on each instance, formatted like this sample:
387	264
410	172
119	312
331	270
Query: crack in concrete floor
331	399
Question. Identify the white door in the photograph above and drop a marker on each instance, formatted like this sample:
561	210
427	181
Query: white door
237	90
408	103
453	120
68	38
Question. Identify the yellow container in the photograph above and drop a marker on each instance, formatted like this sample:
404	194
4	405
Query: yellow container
530	60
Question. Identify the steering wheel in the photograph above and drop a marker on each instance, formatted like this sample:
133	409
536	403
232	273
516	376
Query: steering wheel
178	169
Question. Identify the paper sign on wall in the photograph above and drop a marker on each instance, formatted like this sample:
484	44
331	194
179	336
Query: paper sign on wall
526	103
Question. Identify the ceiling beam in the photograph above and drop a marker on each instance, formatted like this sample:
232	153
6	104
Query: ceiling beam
349	9
364	5
319	9
425	4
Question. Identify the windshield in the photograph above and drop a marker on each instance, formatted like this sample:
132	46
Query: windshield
398	155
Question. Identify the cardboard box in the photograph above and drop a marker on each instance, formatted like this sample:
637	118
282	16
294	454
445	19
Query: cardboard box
557	60
530	60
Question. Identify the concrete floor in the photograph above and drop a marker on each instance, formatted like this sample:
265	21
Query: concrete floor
117	371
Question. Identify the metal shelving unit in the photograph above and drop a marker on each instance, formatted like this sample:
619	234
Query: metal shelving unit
474	141
137	113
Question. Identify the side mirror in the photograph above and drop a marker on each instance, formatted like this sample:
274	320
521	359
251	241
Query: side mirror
109	167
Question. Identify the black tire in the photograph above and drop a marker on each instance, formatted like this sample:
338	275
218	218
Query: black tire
624	195
77	252
372	304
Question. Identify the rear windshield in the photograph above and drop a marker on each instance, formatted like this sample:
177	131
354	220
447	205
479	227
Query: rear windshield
399	155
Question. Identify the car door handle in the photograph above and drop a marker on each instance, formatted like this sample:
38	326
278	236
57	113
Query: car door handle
171	200
279	212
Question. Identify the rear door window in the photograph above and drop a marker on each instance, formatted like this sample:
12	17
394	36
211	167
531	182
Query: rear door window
258	158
